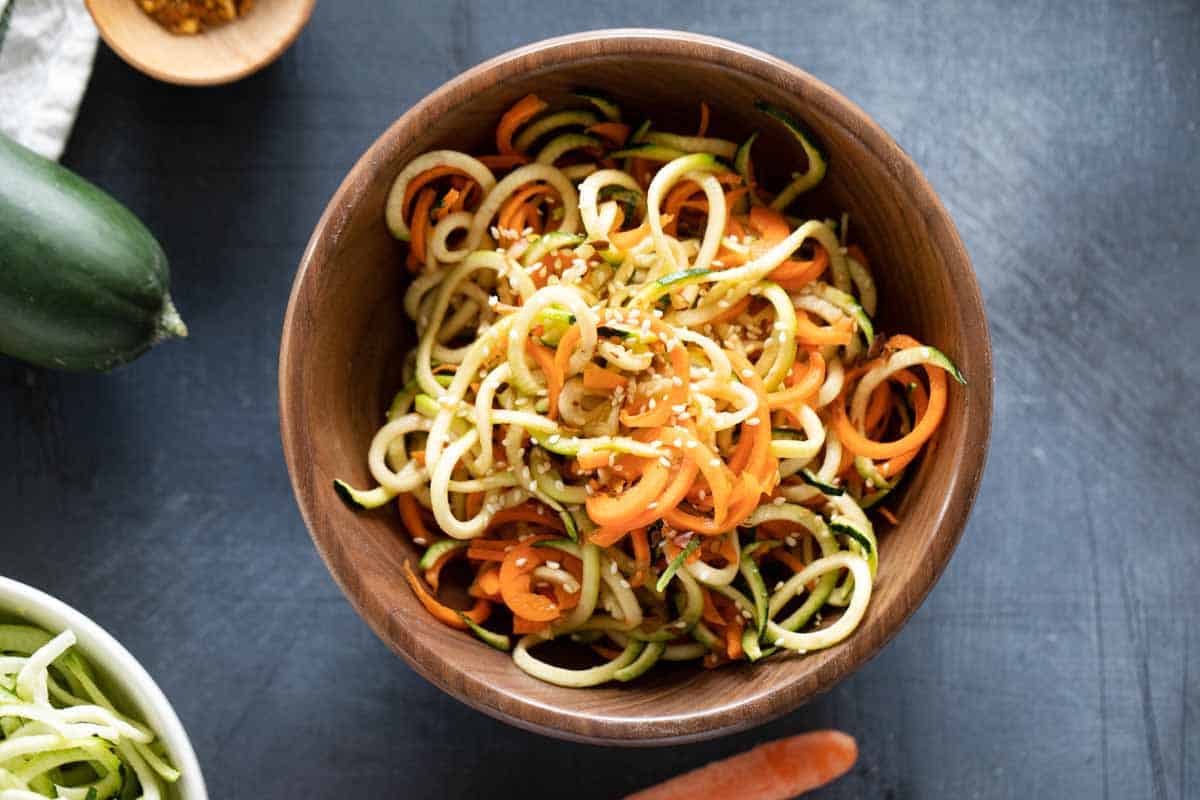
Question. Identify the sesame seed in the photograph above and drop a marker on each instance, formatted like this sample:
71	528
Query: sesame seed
746	614
691	443
779	642
552	564
653	504
779	501
419	540
753	421
521	562
716	462
612	567
746	373
790	541
624	584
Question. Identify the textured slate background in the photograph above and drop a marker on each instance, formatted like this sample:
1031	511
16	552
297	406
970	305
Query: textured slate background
1056	658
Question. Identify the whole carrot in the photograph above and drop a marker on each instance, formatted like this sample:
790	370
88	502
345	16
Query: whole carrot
776	770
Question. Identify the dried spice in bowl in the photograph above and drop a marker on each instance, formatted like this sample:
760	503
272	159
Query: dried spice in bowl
189	17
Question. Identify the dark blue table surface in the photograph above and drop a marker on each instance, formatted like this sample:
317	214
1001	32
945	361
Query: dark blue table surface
1054	659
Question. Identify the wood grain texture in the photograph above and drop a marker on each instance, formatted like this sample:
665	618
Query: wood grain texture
221	54
1057	655
345	314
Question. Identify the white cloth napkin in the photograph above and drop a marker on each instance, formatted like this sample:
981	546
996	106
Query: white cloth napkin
46	51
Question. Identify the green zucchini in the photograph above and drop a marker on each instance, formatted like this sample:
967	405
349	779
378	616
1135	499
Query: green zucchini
810	477
438	549
818	160
938	358
854	533
83	283
853	308
645	660
553	122
496	640
547	244
365	499
676	563
610	110
741	159
560	145
650	152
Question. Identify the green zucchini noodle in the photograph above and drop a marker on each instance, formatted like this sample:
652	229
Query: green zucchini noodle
648	407
60	735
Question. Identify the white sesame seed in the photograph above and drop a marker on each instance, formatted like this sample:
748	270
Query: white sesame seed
779	501
552	564
716	462
612	567
746	373
779	642
522	562
753	421
625	584
790	541
691	443
653	504
419	540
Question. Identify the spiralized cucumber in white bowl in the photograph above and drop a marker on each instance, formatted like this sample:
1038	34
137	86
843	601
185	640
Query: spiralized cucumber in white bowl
80	718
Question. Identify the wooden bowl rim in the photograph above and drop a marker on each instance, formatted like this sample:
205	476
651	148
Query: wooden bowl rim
950	519
218	77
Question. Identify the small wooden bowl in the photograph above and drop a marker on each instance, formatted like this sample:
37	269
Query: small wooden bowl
221	54
345	336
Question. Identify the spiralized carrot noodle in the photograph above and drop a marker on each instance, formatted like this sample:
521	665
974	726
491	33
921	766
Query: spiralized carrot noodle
648	412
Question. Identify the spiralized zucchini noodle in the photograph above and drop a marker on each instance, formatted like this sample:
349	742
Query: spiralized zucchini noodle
60	734
648	408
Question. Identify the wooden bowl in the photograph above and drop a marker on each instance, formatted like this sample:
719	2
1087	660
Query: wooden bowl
345	335
221	54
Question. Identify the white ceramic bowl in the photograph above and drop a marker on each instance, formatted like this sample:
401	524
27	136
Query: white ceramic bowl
120	673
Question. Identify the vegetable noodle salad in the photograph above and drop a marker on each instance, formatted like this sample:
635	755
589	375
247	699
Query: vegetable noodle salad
648	408
60	735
